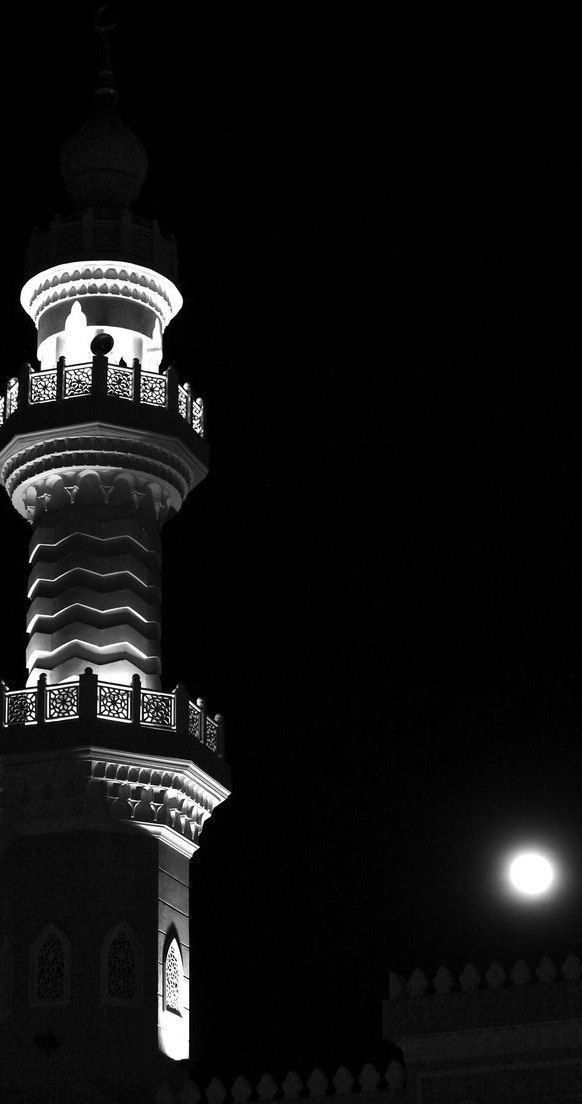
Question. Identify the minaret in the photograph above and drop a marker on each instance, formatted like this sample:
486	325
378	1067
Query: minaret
105	779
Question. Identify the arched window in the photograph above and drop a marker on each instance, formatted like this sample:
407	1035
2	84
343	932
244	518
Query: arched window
120	967
50	967
6	979
173	979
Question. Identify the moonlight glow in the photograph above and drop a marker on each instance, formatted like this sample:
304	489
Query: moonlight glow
531	873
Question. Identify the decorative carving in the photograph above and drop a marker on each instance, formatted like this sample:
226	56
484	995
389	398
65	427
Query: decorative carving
20	707
114	701
50	970
183	402
194	722
77	381
212	736
62	702
173	979
120	382
152	389
43	387
198	416
157	709
158	293
121	968
12	399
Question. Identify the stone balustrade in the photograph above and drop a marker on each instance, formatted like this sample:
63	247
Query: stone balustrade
102	378
90	697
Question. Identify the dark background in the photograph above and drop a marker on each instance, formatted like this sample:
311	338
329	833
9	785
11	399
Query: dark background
378	584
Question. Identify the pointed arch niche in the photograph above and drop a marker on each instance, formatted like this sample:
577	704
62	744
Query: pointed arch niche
121	967
173	978
49	973
174	1027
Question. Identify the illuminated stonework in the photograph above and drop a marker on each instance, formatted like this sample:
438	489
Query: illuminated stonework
138	302
106	777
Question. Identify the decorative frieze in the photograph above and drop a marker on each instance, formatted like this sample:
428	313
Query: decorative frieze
106	279
170	798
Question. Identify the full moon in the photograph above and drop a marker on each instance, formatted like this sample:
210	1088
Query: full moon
531	873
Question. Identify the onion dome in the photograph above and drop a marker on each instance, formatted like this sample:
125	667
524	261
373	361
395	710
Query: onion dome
104	164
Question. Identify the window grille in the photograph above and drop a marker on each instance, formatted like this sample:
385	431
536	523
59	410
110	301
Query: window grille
121	968
173	979
50	968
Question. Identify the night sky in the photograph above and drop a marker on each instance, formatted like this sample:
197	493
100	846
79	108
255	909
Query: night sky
379	582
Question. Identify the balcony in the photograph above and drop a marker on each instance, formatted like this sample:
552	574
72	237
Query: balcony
101	379
88	698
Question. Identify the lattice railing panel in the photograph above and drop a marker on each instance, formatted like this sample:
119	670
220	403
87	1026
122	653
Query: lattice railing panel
43	387
20	707
153	389
62	701
114	702
73	381
77	382
183	402
158	709
194	722
198	416
12	399
212	740
89	697
120	382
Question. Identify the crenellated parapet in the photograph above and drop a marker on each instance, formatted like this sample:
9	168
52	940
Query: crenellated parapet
470	980
368	1086
497	1036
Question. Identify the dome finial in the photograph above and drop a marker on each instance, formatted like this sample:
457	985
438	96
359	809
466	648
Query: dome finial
104	164
104	22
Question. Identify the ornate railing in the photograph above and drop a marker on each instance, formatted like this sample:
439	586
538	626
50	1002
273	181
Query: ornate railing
103	377
88	697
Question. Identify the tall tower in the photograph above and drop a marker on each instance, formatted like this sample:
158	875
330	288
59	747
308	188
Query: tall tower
105	779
